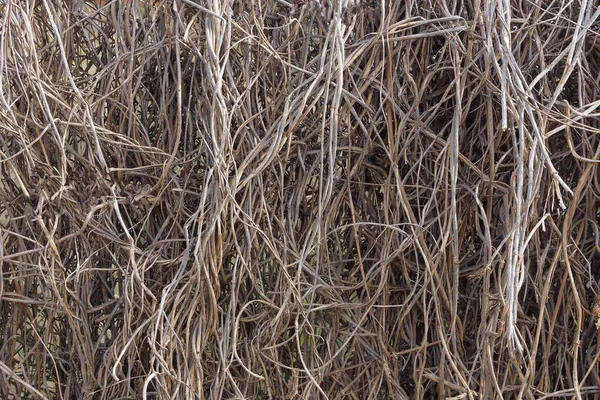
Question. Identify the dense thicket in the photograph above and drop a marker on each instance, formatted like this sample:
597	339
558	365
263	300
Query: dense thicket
299	199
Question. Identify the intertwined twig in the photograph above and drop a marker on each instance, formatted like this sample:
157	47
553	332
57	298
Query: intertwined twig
299	199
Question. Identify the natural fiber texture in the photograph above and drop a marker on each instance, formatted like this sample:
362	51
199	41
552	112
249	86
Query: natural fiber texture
299	199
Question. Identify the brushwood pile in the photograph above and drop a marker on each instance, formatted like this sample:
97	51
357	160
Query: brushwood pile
299	199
